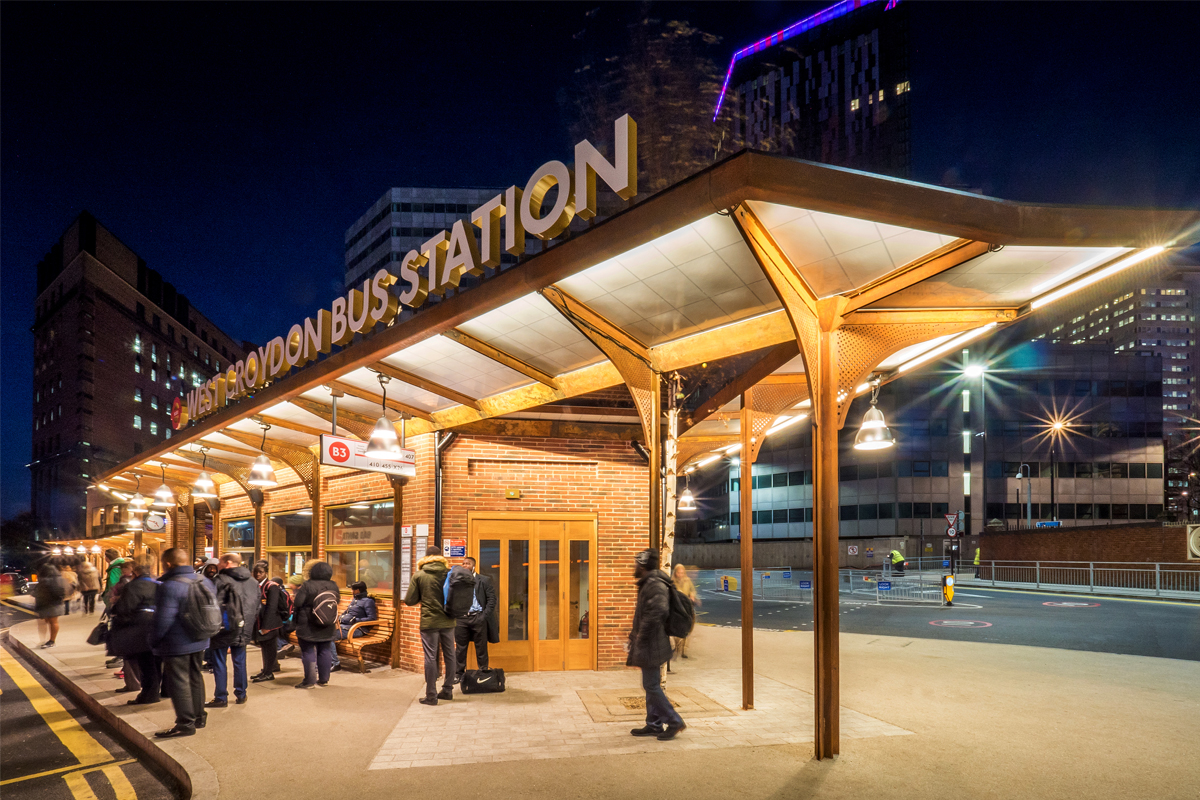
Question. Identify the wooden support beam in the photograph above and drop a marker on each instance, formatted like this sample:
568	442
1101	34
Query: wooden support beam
764	248
946	257
500	357
553	429
973	316
421	383
228	448
746	534
299	427
768	362
825	546
587	319
374	397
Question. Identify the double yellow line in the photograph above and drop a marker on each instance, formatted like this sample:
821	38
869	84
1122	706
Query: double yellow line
91	755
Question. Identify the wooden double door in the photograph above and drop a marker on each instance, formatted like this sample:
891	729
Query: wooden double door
544	570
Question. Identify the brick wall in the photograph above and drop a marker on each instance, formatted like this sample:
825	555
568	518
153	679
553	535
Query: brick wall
1115	543
554	475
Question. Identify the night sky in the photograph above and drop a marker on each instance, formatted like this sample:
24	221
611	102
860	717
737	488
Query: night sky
232	145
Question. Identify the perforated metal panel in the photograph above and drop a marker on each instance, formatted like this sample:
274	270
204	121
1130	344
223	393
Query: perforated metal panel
231	469
300	459
767	401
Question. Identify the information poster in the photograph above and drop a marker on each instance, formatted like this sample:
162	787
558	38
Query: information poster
406	561
421	542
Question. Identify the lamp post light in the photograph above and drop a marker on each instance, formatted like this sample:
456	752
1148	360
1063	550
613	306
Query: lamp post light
1057	428
980	371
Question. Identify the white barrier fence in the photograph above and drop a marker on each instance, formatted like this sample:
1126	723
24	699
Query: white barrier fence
1094	577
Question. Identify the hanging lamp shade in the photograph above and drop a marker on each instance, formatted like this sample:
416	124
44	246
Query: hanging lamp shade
137	504
203	487
262	474
134	524
163	497
57	551
95	550
384	443
873	434
686	501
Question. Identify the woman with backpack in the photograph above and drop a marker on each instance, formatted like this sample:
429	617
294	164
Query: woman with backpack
316	618
275	614
48	600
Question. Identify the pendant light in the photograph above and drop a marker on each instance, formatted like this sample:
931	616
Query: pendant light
137	503
686	501
383	442
95	550
134	524
163	496
262	474
873	434
203	487
57	551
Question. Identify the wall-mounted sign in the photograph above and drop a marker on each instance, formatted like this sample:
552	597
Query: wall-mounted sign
361	534
454	548
338	451
438	265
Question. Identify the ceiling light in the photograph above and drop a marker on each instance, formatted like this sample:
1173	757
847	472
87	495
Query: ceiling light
686	501
163	496
946	347
384	443
1098	275
262	474
203	487
874	433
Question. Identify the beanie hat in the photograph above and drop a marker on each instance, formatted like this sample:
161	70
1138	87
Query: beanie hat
295	580
647	559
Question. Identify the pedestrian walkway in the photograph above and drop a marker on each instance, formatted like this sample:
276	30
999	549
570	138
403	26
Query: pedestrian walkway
929	718
546	715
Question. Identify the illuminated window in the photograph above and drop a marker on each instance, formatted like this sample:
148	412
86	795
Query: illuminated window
153	353
881	94
137	395
137	365
901	88
137	421
154	401
154	375
137	343
154	428
854	104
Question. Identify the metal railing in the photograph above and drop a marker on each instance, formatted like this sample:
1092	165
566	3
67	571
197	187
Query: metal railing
1094	577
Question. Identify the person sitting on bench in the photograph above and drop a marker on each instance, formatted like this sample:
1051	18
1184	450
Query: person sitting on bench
361	609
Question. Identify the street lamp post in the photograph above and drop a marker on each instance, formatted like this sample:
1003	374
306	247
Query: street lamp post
1057	428
980	371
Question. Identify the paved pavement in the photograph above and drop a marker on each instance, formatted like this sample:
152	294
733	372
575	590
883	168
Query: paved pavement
1141	627
52	750
980	720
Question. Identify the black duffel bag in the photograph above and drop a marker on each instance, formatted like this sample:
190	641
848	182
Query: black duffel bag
483	681
99	634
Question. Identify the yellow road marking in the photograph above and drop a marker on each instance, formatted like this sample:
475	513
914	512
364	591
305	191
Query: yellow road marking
121	786
71	768
77	783
1183	604
83	746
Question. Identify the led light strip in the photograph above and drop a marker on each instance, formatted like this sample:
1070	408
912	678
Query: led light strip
945	348
1098	275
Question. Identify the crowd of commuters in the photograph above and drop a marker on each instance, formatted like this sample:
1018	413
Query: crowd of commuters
165	630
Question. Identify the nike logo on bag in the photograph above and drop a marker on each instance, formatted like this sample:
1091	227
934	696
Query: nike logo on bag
482	680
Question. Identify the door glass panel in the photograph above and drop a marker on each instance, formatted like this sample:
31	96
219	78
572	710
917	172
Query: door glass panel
489	560
518	590
579	616
548	591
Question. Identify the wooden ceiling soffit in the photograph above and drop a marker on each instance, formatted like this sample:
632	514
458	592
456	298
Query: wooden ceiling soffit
301	459
734	339
767	401
553	429
946	257
631	357
364	394
419	382
688	448
231	469
359	425
501	357
721	387
229	448
974	316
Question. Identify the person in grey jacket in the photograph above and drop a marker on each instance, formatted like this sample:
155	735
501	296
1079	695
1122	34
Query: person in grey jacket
650	646
179	652
238	596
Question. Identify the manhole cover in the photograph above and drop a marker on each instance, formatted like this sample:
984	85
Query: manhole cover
638	703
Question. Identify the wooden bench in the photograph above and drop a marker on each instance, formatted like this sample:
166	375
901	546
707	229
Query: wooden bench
381	631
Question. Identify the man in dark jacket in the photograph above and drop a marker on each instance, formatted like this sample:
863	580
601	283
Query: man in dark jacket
437	627
179	652
274	614
478	623
238	595
133	626
316	640
650	646
361	609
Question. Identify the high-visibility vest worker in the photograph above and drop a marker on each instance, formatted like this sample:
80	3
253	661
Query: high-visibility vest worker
896	557
977	556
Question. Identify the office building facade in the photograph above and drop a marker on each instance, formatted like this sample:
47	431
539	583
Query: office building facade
1107	460
105	319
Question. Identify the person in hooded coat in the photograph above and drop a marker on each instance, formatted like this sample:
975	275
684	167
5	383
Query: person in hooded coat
437	627
650	646
316	640
132	626
238	595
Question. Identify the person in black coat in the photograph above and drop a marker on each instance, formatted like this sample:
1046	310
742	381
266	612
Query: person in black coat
238	595
316	640
361	609
480	625
650	646
132	626
274	614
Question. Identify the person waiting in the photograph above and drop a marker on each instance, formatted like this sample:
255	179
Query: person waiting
361	609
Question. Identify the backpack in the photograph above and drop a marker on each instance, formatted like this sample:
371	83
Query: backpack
233	616
681	614
323	612
287	598
460	592
199	613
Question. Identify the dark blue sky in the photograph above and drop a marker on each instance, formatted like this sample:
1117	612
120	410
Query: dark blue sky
231	145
